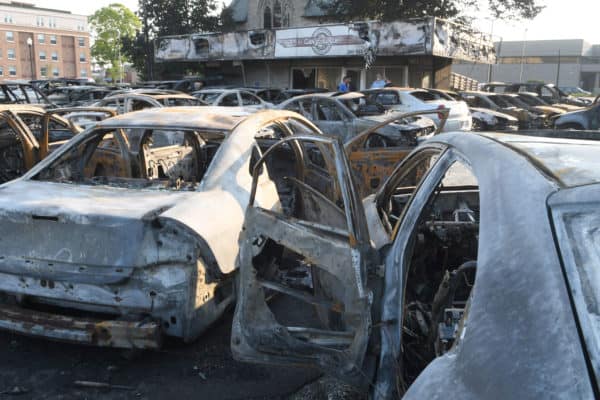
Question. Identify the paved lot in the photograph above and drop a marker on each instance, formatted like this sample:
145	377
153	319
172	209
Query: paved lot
202	370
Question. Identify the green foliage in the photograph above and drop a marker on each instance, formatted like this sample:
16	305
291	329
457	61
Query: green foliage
112	25
165	18
389	10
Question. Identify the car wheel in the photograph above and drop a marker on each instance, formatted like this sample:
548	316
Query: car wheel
478	125
376	141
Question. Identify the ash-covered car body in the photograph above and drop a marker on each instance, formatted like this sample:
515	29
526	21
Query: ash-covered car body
433	288
584	119
28	133
138	100
495	102
346	115
134	223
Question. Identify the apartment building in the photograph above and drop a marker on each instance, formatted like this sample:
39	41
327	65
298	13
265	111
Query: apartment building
41	43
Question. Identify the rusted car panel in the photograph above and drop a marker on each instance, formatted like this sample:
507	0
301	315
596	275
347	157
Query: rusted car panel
156	205
120	334
464	304
371	164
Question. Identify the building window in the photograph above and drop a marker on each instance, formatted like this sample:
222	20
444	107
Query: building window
82	57
81	42
267	23
81	27
39	21
42	55
55	71
10	54
0	53
277	14
10	37
54	56
84	73
52	22
8	19
52	39
12	71
1	71
41	38
44	72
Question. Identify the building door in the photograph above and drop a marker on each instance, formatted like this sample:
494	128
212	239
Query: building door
356	76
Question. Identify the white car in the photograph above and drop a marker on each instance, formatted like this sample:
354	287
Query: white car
232	98
409	100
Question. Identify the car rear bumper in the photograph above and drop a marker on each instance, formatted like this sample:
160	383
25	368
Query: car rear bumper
102	333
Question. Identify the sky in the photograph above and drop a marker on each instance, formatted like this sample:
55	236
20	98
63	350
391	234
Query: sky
562	19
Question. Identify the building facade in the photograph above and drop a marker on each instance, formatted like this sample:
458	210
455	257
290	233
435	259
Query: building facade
293	44
562	62
40	43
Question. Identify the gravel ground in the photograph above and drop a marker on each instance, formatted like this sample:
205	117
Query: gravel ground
39	369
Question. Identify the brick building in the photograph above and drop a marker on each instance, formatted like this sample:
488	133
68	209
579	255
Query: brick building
40	43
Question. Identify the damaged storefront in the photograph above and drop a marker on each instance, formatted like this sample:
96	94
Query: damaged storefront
417	53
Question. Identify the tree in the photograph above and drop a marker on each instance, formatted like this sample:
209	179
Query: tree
111	25
166	18
387	10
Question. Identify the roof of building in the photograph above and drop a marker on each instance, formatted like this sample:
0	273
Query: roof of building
31	6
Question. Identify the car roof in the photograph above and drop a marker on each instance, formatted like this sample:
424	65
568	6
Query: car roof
213	118
569	162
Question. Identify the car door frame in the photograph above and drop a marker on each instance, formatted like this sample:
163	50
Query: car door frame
397	263
256	335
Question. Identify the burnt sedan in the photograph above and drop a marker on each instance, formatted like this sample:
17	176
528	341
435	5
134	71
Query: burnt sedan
446	283
346	115
129	231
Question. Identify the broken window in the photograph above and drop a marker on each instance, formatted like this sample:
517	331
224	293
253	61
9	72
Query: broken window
249	99
201	46
328	111
277	14
267	18
137	158
402	187
231	100
258	38
12	156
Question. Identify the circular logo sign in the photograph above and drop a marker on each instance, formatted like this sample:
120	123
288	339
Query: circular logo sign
322	40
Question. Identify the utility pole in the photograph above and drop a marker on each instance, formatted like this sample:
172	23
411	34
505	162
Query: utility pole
31	61
491	66
523	55
558	69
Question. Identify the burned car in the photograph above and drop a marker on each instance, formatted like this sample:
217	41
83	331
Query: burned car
129	231
128	101
345	115
28	133
432	288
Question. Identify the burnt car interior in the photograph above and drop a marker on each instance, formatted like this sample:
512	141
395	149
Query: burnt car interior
442	254
137	158
12	157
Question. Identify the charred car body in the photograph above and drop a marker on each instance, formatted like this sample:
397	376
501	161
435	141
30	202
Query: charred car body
432	288
346	115
127	221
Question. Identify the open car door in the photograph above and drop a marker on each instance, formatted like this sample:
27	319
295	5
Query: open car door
372	160
315	259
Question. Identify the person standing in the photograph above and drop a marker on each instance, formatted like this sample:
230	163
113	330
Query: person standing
378	83
345	84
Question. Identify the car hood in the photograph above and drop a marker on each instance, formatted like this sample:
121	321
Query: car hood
416	123
493	113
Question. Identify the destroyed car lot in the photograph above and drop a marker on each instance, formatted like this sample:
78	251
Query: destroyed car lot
330	234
